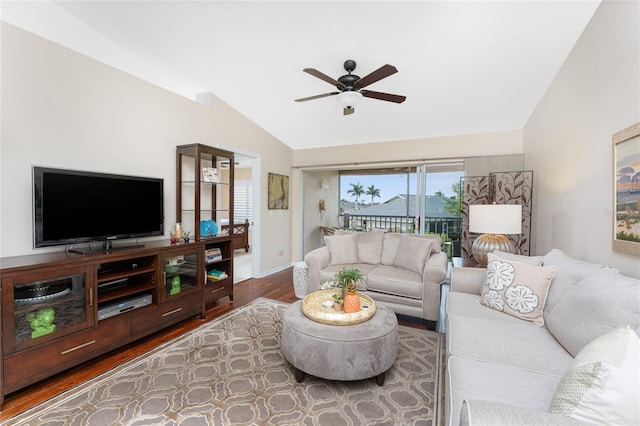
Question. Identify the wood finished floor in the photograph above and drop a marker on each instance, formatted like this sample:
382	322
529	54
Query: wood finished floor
278	286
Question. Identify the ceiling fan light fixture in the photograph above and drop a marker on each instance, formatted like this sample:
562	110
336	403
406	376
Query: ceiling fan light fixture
349	98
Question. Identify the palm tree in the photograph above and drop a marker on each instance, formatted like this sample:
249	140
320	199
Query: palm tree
374	192
356	190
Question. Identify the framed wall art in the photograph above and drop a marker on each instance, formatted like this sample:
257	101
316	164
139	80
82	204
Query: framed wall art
626	194
278	197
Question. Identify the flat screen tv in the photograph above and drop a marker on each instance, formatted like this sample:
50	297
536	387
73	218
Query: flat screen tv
73	207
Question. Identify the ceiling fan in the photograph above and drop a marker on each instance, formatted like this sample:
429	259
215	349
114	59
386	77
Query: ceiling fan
350	86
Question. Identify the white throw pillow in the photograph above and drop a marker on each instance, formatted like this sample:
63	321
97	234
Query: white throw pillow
602	384
369	246
515	288
343	249
413	253
532	260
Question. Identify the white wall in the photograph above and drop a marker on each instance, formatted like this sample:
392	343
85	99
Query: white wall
63	109
567	141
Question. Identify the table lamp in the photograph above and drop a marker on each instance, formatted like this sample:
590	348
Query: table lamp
493	221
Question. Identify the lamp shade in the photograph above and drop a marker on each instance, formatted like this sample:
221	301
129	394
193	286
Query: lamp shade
349	98
495	218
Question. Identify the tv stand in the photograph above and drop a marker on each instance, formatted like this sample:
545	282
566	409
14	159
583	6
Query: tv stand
107	247
91	305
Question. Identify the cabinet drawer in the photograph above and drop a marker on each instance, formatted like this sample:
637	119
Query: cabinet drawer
33	364
218	290
166	313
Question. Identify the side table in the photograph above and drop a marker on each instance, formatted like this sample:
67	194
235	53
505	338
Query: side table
300	279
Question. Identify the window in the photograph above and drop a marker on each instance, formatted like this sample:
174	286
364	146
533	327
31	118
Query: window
243	201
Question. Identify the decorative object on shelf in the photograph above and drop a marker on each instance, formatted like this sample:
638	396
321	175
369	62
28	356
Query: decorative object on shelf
301	279
42	322
185	236
493	221
348	280
173	265
626	205
208	228
210	174
175	285
176	230
278	192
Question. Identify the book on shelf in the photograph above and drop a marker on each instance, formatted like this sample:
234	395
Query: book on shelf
215	275
213	254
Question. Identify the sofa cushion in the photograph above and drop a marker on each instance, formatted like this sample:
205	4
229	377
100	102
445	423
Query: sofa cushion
515	288
569	272
396	281
343	249
412	253
602	301
532	260
477	332
391	244
473	379
601	386
370	246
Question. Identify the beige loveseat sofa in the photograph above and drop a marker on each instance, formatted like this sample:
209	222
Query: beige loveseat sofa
402	271
504	370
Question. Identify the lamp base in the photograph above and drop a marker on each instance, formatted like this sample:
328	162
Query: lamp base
486	243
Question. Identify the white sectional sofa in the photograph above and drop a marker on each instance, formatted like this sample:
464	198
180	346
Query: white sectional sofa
504	370
403	271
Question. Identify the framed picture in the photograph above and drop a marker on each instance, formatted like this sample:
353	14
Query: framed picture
278	192
626	204
210	174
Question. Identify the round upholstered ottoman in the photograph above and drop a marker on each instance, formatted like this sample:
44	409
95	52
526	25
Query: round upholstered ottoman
340	352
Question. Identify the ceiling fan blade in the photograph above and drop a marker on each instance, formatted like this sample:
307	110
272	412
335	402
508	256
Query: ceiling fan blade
382	72
310	98
383	96
314	72
348	110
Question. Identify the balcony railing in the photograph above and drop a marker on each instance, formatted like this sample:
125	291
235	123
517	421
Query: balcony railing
448	228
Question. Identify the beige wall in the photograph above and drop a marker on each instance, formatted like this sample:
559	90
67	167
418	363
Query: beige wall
473	145
567	141
63	109
313	193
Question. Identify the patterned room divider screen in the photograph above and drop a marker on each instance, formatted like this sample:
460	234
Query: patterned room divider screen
501	188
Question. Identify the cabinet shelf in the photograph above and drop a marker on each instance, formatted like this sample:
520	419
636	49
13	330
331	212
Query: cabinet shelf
121	275
119	293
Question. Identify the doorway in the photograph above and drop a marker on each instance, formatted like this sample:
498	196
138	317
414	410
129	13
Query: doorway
246	190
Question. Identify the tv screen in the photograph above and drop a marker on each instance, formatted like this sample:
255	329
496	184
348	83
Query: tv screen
72	207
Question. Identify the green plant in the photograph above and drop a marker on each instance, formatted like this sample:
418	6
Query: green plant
337	297
349	279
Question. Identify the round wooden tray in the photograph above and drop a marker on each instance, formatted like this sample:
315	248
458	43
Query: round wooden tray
313	309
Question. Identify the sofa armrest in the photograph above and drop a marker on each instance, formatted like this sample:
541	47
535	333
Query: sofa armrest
316	260
433	275
491	413
468	280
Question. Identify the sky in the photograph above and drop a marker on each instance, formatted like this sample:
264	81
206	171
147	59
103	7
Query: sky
391	185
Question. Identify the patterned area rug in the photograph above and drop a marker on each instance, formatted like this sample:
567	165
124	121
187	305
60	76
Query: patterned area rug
230	372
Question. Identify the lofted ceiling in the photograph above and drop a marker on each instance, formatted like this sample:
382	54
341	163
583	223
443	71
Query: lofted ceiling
465	67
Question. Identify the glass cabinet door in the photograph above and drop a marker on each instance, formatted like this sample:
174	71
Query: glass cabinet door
44	308
180	273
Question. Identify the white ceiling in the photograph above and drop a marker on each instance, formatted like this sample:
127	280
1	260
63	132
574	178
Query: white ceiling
465	67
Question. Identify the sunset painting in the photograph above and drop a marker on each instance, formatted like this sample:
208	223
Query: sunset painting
627	186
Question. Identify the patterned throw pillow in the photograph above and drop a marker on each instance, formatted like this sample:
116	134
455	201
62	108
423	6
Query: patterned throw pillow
517	289
601	386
